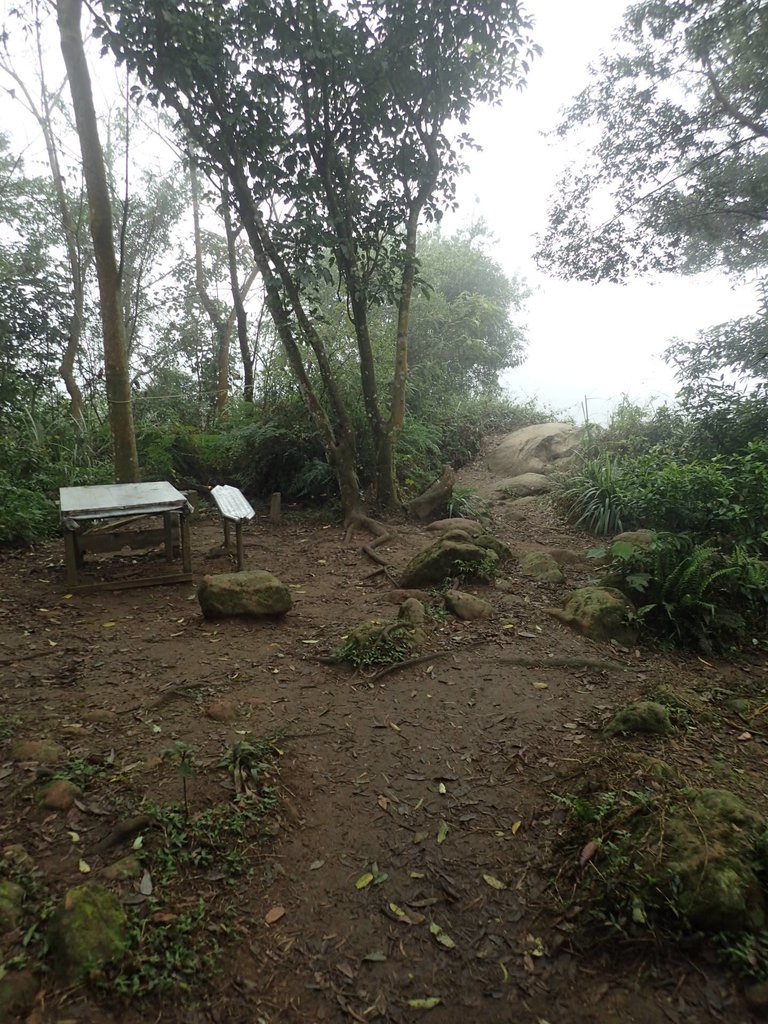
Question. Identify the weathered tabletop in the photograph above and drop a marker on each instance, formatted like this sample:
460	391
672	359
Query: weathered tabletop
129	502
106	501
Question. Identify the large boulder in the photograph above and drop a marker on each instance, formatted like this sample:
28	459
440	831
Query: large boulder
600	613
256	593
89	929
541	448
454	556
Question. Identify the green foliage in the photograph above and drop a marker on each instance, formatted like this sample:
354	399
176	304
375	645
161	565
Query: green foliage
466	503
692	595
376	644
590	496
166	958
722	497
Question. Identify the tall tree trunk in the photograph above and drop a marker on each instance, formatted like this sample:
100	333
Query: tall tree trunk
238	295
386	480
338	436
126	462
221	328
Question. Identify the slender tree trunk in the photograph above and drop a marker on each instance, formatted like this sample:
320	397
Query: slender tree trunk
386	479
126	462
221	328
238	295
338	437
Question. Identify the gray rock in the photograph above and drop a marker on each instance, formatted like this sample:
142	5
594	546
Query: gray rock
637	538
541	566
123	869
256	593
525	485
467	607
540	448
446	559
45	751
412	612
470	526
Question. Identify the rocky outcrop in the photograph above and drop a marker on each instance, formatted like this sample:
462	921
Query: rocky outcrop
524	485
455	556
256	594
541	448
600	613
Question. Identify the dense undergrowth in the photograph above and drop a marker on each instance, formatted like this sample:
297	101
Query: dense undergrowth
700	484
259	448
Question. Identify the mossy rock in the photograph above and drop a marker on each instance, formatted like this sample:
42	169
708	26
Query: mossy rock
11	901
448	558
541	566
377	642
710	865
600	613
644	716
256	594
87	931
17	993
700	857
502	551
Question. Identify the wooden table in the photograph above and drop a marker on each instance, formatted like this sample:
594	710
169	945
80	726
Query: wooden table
123	503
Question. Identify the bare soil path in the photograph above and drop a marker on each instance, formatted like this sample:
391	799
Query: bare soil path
442	776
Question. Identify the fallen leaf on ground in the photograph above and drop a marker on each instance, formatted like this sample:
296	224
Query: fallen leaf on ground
83	867
377	956
442	937
493	882
442	832
589	851
273	916
541	686
424	1004
316	864
364	880
515	827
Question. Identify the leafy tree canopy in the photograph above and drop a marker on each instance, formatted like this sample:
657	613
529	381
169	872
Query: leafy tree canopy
678	179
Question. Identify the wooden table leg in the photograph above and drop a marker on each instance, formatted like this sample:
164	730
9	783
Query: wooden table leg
71	557
168	528
186	550
239	536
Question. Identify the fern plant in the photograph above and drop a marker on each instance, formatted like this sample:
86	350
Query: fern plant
688	591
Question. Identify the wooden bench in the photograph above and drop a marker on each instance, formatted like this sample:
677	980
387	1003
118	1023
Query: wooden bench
235	508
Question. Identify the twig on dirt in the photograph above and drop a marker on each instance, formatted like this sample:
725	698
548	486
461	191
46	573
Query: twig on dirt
125	830
744	727
559	661
520	661
29	657
396	665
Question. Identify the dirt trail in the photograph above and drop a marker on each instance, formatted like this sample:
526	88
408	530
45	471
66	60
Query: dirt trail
439	774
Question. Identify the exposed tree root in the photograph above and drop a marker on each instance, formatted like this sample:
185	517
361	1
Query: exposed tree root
520	661
380	532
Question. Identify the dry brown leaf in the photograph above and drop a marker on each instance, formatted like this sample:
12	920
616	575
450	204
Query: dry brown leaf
273	916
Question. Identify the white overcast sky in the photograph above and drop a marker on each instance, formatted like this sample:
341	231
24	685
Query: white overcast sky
598	341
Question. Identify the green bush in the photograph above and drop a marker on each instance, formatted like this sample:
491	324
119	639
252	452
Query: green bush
693	595
590	496
725	498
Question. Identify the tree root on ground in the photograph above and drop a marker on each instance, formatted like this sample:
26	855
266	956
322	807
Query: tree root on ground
519	661
380	532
